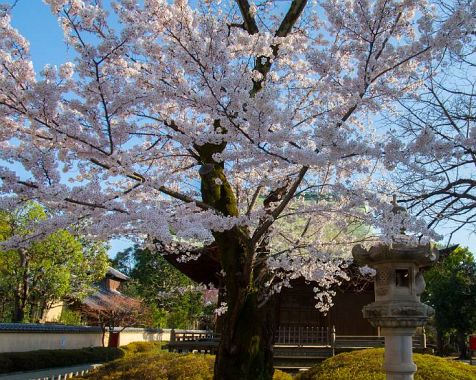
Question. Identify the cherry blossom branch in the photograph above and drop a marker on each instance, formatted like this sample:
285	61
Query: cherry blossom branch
261	230
249	21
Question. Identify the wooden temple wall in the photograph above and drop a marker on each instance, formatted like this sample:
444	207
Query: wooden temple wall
297	308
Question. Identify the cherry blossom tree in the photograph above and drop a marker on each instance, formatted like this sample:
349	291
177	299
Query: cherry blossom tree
189	126
437	181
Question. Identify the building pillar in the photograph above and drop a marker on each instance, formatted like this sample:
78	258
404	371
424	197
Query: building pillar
398	362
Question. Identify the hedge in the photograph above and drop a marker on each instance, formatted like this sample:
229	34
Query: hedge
162	366
367	365
41	359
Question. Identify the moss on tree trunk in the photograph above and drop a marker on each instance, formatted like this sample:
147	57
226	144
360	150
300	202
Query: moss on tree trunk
245	350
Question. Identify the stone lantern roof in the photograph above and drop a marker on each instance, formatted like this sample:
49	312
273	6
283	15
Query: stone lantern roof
421	255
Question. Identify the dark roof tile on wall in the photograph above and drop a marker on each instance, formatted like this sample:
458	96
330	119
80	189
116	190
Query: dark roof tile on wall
45	328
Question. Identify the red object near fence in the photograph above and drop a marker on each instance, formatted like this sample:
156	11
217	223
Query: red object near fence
472	343
113	339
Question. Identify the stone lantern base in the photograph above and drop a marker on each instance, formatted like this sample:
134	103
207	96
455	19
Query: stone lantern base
397	313
398	362
398	321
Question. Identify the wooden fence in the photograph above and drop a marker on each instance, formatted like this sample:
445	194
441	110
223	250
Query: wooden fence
192	335
287	336
203	341
63	376
52	373
303	335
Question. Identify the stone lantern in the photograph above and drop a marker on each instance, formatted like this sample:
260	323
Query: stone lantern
397	309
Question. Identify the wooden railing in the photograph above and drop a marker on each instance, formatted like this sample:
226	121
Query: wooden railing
58	373
354	341
286	335
419	340
303	335
62	376
189	341
194	335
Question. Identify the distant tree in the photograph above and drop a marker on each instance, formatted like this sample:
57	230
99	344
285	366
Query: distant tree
70	317
451	291
438	183
58	265
113	312
171	295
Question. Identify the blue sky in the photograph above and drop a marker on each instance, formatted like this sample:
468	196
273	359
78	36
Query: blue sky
35	21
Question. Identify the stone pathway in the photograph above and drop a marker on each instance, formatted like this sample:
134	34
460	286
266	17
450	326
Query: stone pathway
466	361
50	373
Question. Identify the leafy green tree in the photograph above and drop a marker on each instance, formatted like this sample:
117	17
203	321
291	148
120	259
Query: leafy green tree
451	291
70	317
34	277
169	294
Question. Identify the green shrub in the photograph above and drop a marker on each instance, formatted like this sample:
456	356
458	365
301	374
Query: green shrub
31	360
140	347
367	365
70	317
157	366
280	375
162	366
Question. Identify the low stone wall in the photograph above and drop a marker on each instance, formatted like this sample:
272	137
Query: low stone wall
19	337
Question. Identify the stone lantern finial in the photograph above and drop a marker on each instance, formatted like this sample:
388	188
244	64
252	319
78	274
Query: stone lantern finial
396	209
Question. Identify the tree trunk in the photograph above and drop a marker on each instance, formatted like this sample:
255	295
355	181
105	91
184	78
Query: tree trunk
18	311
32	312
439	342
246	346
462	346
103	337
220	319
21	294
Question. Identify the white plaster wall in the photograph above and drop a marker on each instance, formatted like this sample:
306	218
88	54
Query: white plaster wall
30	341
166	334
127	337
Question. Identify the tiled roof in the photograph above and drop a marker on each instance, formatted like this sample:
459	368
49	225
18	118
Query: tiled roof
106	298
111	272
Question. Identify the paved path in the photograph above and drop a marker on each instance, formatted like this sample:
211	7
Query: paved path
467	361
47	373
